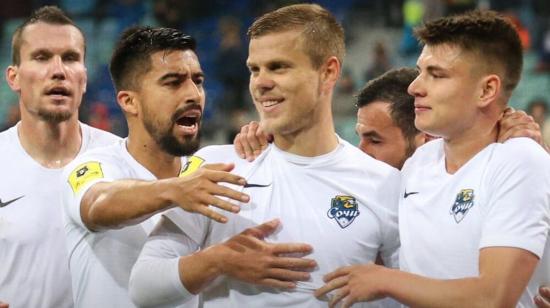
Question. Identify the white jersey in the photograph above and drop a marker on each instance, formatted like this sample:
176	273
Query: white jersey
100	262
34	268
501	197
343	203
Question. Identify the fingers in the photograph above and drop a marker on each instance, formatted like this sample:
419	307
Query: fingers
222	191
275	283
331	285
252	138
335	274
263	230
211	214
295	263
287	275
542	300
530	130
291	248
216	175
245	144
340	295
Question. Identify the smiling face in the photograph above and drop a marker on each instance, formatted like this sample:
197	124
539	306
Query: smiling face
284	85
51	77
446	90
171	100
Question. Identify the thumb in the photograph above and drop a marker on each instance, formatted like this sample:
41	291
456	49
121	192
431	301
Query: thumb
267	228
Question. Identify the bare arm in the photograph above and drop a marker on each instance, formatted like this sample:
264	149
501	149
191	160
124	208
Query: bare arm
504	274
111	205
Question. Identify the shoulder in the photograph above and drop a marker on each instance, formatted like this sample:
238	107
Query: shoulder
363	163
218	154
97	137
99	156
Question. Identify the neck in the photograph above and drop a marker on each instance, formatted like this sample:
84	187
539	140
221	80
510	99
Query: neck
460	149
148	153
52	145
316	139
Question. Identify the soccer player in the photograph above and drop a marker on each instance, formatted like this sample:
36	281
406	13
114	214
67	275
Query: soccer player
49	76
322	190
474	214
110	194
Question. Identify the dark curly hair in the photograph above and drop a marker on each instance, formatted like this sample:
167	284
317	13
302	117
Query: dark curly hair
132	55
488	35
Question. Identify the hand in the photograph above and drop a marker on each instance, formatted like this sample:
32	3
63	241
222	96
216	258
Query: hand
251	141
249	258
197	191
354	283
542	300
4	305
518	124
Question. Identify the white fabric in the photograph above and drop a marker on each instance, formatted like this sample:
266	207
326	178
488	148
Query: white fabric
33	259
300	193
100	262
511	204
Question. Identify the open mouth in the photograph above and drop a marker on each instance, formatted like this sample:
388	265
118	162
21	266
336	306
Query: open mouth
189	120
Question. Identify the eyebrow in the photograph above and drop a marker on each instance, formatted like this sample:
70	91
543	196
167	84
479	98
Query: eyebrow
370	133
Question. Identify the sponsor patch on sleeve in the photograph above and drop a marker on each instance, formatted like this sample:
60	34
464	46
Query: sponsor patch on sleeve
85	173
193	163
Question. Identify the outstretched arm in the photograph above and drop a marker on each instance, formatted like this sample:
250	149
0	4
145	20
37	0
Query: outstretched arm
504	274
112	205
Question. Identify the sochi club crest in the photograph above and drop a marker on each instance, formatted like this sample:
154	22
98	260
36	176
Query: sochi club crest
463	203
344	210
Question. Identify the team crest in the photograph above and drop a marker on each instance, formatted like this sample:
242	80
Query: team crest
344	210
464	201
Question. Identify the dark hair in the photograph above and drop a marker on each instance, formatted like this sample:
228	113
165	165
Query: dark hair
391	88
132	55
537	102
47	14
323	36
490	36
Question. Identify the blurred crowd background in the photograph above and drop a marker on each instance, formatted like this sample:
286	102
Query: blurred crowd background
379	37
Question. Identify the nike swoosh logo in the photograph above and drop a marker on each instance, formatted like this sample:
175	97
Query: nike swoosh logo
3	204
250	185
406	194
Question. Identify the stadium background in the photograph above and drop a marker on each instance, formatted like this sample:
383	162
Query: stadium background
379	37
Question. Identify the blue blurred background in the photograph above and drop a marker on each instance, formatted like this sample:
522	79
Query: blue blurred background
379	37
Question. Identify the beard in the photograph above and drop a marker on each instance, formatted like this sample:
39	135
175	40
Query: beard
163	136
54	116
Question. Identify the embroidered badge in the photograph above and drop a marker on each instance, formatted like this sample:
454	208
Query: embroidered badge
344	210
463	203
85	173
192	165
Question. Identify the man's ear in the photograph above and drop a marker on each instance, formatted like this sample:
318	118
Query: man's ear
490	90
12	77
128	102
330	72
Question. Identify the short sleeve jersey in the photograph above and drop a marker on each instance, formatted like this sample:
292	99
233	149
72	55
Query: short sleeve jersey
343	203
101	262
500	197
34	268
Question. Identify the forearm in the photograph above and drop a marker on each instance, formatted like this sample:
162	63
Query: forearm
114	205
199	269
417	291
